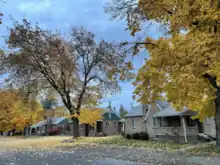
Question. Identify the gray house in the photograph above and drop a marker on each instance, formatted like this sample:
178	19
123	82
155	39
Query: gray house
58	124
162	122
110	124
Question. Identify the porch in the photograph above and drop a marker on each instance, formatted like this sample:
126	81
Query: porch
179	129
92	131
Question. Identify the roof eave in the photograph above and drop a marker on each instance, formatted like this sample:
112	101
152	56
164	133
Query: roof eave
134	116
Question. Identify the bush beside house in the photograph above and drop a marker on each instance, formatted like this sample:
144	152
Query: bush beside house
137	136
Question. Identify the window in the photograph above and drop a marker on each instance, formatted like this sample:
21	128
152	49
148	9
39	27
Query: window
174	121
191	122
133	123
115	124
106	124
81	126
154	122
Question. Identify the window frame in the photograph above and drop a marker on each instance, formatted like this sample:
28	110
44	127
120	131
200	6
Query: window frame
133	123
106	124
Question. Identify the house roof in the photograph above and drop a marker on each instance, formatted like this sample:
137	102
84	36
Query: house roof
39	124
54	120
136	111
113	116
170	111
162	103
59	120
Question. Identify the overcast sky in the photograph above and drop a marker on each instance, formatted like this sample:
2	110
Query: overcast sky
62	14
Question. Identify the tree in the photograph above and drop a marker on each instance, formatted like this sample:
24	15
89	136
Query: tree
114	109
185	64
80	70
122	111
90	115
49	105
16	113
109	107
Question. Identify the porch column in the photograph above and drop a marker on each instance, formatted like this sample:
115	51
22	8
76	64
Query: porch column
184	128
30	131
95	128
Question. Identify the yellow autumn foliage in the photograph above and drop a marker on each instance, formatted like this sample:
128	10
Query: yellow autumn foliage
89	115
15	113
180	63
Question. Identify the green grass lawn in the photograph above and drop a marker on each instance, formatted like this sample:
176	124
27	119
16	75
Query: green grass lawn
119	141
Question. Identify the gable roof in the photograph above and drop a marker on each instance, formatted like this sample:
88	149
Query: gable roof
113	116
162	104
54	120
59	120
136	111
170	111
39	124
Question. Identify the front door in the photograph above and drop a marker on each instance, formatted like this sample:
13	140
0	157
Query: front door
99	126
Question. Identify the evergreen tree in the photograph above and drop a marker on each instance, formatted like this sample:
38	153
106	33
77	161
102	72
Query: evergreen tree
114	109
122	111
110	106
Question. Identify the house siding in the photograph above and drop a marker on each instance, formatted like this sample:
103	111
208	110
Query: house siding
149	124
209	127
82	129
139	122
112	129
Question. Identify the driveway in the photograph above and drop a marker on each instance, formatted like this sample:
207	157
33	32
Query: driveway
102	156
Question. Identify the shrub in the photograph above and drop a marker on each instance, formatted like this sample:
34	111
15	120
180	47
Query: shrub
136	136
128	136
143	136
123	134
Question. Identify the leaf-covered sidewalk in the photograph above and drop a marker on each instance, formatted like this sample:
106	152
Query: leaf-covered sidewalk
105	150
103	156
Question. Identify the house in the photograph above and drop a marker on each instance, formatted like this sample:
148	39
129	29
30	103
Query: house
134	120
209	127
162	122
109	125
60	125
170	125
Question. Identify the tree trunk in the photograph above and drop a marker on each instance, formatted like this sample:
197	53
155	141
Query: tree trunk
75	127
217	118
48	126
